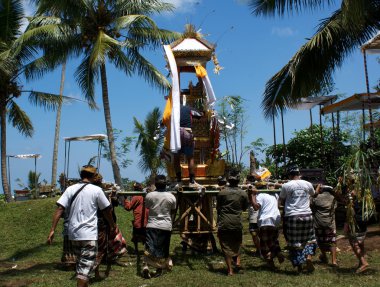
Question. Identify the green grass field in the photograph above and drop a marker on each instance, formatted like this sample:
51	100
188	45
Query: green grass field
26	260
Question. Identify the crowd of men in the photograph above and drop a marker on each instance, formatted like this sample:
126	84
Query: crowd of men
308	222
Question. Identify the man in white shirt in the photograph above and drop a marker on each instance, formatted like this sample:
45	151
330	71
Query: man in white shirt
160	203
269	219
81	201
298	219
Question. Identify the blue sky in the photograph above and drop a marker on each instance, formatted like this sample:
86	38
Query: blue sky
251	49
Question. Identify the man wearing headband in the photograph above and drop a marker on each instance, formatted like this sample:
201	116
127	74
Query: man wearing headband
298	219
81	201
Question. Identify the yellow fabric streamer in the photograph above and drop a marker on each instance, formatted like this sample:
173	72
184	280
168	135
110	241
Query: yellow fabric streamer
200	71
166	120
167	111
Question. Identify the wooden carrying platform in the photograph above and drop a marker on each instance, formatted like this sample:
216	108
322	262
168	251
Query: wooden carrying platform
195	220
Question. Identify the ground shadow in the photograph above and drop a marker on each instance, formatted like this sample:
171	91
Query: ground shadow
351	271
30	252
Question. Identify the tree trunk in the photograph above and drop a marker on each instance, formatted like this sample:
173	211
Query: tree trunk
57	129
226	143
252	163
3	139
107	116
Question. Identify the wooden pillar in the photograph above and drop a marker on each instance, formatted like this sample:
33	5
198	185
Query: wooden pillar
371	131
275	145
283	137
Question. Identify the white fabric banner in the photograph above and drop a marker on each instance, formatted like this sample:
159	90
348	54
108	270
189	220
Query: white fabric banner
175	138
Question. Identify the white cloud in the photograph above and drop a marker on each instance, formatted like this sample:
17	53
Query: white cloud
284	31
184	5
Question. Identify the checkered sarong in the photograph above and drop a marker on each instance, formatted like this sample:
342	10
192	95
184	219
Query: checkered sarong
299	230
68	257
326	238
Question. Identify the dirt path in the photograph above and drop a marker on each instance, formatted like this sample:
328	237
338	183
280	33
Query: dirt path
372	241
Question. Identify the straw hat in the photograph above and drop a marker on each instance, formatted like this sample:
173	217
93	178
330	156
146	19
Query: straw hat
89	169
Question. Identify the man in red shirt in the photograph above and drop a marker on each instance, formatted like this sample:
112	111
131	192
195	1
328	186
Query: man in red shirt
140	216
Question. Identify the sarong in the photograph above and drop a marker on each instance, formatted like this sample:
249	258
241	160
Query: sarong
102	245
230	241
326	238
299	230
300	237
359	235
109	249
117	247
269	244
139	235
157	245
68	257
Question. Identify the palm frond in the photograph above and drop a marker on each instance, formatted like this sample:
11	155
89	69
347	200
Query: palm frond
152	38
139	129
19	119
128	21
86	77
146	70
36	34
62	8
147	7
11	17
120	60
49	102
102	45
280	7
40	66
43	20
7	63
324	52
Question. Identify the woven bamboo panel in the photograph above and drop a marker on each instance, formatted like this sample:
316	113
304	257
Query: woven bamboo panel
201	127
202	142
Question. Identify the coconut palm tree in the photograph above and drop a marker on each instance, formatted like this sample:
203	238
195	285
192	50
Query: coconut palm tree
114	32
57	129
311	69
150	141
18	57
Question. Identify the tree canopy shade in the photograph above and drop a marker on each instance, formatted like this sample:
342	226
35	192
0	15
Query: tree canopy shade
310	71
307	151
106	32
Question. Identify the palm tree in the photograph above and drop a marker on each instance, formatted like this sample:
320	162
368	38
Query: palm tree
57	129
150	140
18	57
311	69
112	32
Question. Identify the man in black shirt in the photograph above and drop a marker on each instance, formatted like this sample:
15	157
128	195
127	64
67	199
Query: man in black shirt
187	144
231	202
